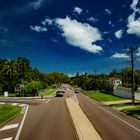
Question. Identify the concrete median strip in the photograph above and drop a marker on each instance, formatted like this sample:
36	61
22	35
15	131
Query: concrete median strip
84	128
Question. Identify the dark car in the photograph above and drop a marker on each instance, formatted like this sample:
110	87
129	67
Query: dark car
60	93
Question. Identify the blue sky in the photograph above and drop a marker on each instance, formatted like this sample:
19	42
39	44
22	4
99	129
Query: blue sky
70	36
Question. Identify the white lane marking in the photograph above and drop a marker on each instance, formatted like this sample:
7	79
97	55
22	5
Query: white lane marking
47	101
10	138
21	125
14	103
11	126
115	116
22	105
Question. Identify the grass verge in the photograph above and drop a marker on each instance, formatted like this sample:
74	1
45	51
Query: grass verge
102	96
47	92
135	112
8	111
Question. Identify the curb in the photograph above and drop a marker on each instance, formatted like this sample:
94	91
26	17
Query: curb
21	112
84	129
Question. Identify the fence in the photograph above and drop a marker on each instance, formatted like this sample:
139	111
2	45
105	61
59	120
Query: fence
122	92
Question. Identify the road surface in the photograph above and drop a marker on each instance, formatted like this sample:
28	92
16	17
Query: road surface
108	122
48	121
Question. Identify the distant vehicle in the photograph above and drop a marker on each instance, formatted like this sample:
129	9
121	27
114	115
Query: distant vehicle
60	93
77	91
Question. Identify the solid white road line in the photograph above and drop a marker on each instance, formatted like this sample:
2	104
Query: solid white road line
11	126
115	116
10	138
21	125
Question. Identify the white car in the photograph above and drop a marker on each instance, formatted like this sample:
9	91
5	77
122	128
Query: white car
60	93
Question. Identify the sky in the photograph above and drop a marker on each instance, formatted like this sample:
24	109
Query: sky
70	36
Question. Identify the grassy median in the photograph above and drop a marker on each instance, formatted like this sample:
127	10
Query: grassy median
8	111
102	96
47	92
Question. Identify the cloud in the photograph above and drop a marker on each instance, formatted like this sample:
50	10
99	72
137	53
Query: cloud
36	4
120	56
110	23
92	19
108	11
118	34
38	28
134	22
47	21
77	10
79	34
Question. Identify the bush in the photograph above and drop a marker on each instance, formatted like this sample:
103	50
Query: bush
32	88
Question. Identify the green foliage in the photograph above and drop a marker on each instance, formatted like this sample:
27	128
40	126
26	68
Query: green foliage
19	71
8	111
135	112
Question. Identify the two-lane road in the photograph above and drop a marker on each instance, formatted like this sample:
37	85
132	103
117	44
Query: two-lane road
48	121
109	123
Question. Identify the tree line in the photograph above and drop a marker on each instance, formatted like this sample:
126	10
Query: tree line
20	71
100	81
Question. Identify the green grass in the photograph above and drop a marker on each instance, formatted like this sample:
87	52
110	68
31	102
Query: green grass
135	112
8	111
47	92
101	96
120	105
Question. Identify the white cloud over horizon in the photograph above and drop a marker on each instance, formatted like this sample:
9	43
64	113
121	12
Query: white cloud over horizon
118	34
120	56
133	21
38	28
77	10
80	35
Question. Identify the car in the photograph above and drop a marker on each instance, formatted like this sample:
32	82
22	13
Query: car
77	91
60	93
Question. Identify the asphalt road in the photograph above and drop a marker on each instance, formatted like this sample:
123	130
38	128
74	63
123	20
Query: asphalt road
109	123
48	121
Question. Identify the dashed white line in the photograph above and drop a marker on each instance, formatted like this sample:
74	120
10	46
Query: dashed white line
10	138
11	126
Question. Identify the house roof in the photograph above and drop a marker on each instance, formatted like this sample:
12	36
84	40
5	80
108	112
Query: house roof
113	78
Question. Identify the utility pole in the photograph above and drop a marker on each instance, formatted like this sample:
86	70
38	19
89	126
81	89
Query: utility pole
132	61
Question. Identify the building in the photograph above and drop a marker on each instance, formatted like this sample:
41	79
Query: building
115	81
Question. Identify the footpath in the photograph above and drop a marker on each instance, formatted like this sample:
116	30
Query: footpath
84	129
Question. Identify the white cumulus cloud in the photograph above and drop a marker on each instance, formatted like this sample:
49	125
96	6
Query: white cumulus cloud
47	21
120	56
92	19
118	34
79	34
108	11
133	21
78	10
38	28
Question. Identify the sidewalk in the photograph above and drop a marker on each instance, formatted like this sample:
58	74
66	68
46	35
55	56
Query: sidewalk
118	102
